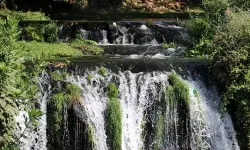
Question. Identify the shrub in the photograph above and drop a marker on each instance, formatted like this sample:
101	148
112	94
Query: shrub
51	33
243	4
34	32
197	27
230	68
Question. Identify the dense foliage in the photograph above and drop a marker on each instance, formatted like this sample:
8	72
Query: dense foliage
224	36
18	89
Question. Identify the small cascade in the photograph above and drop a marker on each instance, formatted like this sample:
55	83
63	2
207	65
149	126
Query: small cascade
104	37
34	138
219	127
84	34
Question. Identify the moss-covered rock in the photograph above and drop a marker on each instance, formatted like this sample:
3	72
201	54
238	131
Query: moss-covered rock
113	118
181	89
158	132
102	71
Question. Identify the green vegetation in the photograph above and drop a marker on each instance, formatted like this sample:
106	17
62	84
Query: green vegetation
168	45
42	50
113	118
20	65
223	35
159	132
74	94
24	15
90	77
87	46
41	32
51	32
91	136
181	90
67	96
18	86
170	95
102	71
58	102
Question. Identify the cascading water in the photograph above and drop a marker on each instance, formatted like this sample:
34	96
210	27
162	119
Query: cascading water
34	139
152	117
139	92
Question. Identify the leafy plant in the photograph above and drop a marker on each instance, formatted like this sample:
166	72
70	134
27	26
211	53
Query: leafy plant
51	33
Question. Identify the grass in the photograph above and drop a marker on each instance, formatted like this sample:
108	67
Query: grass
24	15
181	90
113	118
42	50
168	45
87	46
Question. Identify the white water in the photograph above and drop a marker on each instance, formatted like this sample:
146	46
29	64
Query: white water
29	138
137	91
219	128
104	38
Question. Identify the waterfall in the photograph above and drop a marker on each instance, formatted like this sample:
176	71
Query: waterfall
34	138
104	37
154	114
139	94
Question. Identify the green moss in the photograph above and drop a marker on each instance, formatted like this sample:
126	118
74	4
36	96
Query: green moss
181	90
102	71
112	90
57	101
74	93
158	132
168	45
170	95
87	46
90	77
91	136
42	50
56	76
113	119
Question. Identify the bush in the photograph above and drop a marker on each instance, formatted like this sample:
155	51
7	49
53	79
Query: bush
231	69
197	27
34	32
51	33
243	4
41	32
